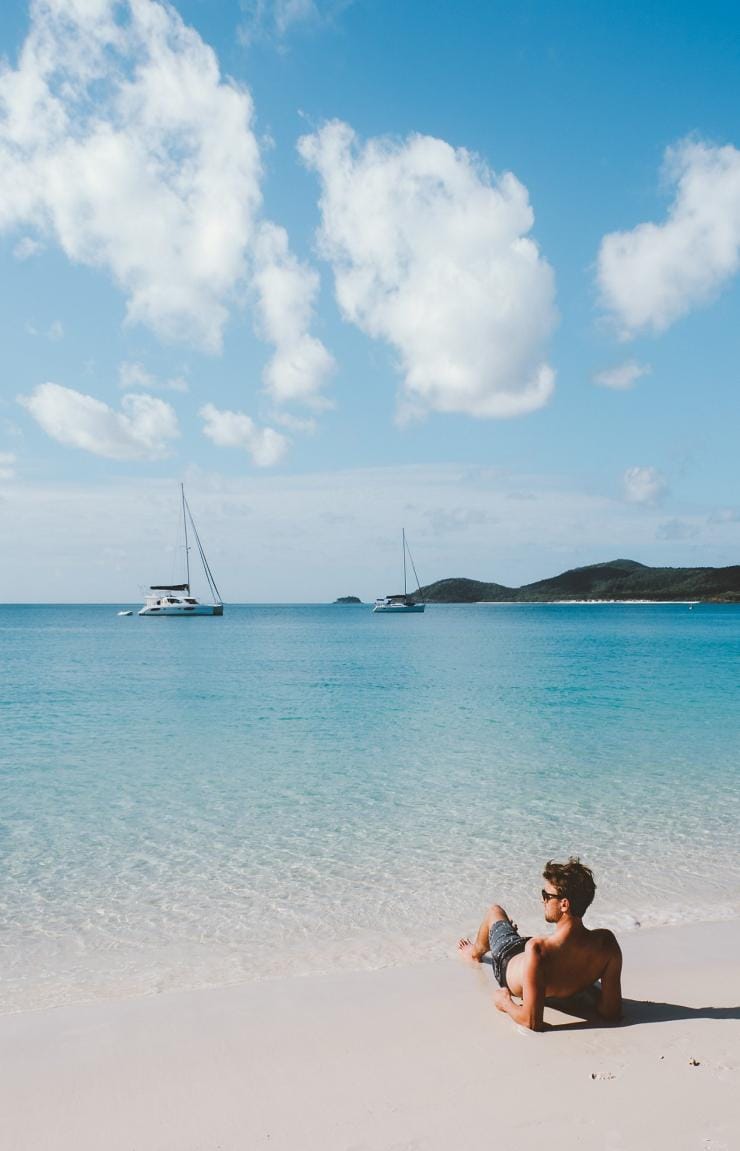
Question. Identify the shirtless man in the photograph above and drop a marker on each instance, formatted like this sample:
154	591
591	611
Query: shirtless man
558	965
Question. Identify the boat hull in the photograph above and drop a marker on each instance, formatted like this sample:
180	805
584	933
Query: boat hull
182	610
399	608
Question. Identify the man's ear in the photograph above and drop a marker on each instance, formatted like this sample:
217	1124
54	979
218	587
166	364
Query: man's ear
565	904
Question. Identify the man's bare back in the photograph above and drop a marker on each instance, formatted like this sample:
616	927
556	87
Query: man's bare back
560	965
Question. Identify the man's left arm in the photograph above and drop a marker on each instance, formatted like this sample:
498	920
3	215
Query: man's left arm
531	1011
609	1001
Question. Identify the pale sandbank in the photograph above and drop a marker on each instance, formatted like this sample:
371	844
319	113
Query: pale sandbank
414	1059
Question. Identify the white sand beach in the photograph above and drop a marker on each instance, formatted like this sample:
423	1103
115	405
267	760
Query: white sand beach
414	1059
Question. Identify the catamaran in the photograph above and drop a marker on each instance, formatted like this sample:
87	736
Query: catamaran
175	599
402	604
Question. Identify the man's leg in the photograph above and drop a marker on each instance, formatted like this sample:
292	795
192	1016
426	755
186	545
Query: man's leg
475	951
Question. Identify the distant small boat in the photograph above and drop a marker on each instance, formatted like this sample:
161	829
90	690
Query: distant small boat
125	613
402	604
175	599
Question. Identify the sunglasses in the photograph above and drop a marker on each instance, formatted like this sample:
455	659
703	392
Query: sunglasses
548	895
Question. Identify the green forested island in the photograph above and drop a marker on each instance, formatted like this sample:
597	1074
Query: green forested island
616	580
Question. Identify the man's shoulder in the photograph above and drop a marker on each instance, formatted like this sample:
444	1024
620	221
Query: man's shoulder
604	938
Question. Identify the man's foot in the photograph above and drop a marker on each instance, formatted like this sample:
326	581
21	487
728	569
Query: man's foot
466	950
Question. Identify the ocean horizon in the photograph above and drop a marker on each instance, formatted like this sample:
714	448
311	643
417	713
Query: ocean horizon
306	788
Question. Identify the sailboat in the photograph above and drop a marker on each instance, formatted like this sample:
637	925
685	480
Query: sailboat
175	599
402	604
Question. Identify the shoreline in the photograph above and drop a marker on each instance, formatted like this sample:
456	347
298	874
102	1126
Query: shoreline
393	960
412	1058
585	602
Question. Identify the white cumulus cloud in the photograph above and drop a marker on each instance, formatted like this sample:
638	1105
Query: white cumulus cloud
652	275
238	430
286	290
622	377
133	375
120	140
26	248
724	516
273	19
644	485
54	332
140	431
431	252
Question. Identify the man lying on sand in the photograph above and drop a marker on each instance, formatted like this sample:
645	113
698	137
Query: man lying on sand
558	965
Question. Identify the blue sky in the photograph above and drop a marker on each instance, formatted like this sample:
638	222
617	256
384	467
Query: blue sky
344	267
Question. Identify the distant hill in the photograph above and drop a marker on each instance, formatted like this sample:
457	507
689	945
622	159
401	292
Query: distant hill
348	599
618	579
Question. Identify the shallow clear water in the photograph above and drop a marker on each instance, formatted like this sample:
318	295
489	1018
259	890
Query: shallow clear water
293	789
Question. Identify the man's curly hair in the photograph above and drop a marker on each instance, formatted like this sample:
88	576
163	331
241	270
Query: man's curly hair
572	881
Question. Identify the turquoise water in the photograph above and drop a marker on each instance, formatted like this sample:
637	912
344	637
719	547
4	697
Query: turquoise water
294	789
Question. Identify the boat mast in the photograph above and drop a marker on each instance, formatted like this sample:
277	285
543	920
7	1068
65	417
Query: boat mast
403	540
413	568
216	594
187	549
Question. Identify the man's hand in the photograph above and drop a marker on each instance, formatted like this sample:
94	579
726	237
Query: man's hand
502	999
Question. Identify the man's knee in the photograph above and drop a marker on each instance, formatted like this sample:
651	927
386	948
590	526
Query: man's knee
495	912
